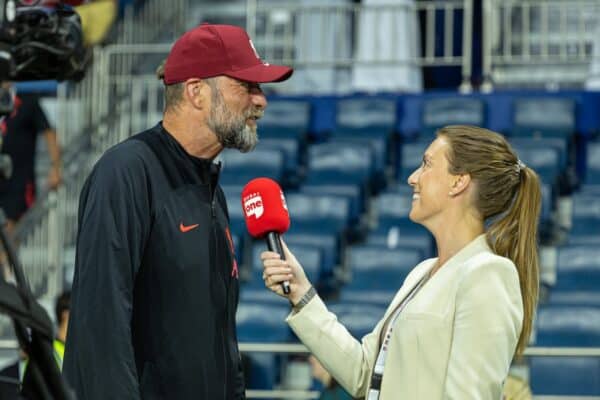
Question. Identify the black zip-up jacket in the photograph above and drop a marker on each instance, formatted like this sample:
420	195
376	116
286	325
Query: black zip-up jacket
155	290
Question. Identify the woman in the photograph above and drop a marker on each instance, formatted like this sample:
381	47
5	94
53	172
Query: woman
456	322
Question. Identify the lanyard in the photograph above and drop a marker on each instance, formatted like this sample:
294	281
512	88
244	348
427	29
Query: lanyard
377	376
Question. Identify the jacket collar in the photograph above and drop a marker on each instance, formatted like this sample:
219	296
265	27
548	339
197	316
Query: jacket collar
476	246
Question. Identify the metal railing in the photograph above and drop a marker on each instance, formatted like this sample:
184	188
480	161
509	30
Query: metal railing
287	33
300	349
544	43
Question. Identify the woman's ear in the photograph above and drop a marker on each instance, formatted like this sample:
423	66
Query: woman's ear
460	184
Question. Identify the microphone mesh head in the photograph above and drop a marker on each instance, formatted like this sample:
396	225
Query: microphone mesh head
265	209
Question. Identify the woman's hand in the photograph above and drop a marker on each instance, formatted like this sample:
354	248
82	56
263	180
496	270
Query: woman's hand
277	270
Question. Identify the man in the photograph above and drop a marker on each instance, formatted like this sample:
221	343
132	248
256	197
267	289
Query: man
12	376
19	136
156	286
62	311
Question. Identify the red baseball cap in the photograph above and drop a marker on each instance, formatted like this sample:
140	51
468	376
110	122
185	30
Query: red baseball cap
211	50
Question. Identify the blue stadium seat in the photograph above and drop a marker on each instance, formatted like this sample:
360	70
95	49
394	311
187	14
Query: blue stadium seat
368	121
285	119
413	236
586	215
395	204
365	114
548	204
592	175
574	326
411	156
239	168
359	319
382	298
397	228
565	376
544	117
588	298
310	257
590	189
578	267
326	242
290	147
374	267
311	213
455	110
544	160
340	163
353	192
544	142
263	322
254	294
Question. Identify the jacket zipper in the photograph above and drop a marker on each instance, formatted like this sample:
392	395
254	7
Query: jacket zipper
212	186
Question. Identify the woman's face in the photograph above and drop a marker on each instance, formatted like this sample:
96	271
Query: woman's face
432	184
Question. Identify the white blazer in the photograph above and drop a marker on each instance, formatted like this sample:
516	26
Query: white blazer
454	340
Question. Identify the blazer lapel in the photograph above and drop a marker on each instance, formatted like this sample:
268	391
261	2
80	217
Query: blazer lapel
412	280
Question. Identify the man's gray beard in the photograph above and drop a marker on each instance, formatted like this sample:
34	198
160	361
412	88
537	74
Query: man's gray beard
232	132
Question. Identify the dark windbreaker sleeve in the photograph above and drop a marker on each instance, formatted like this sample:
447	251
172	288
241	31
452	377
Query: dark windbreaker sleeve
240	385
114	220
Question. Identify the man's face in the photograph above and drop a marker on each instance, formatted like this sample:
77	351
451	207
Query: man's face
236	105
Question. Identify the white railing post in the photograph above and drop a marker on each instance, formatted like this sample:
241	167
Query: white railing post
467	47
486	28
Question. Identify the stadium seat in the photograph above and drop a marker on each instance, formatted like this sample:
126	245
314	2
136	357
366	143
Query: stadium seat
394	204
590	189
547	223
253	294
327	243
368	121
365	114
544	117
290	147
373	267
239	168
311	213
592	175
544	142
578	268
587	298
353	192
544	160
412	236
570	326
411	156
340	163
263	322
382	298
310	257
285	119
359	319
455	110
565	376
586	215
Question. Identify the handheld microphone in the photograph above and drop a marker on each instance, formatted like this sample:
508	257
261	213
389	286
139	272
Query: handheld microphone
266	214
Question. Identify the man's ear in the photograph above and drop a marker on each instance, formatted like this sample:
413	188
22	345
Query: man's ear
460	184
194	90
